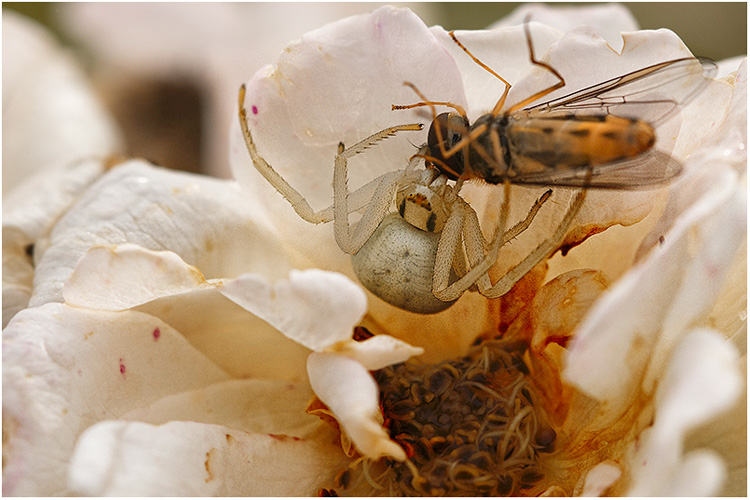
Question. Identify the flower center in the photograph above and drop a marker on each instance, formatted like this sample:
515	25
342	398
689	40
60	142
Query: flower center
469	426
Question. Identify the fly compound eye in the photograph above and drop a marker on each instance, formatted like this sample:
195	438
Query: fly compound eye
451	129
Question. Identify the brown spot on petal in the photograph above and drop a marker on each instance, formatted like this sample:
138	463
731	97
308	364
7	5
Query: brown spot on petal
285	437
207	466
578	236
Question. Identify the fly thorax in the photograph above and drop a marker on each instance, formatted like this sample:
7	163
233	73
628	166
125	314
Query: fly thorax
422	207
490	153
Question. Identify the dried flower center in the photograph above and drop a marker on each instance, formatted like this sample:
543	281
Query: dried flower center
469	426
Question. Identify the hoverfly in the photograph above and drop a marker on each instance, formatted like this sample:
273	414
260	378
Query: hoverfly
602	136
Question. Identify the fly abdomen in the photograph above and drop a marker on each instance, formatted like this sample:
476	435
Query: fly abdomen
578	141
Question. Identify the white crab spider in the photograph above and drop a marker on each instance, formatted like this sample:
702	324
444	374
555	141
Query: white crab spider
394	255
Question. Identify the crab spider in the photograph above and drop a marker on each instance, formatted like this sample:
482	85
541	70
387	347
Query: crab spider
423	259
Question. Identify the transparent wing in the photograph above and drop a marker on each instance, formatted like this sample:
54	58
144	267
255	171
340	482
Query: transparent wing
651	94
646	171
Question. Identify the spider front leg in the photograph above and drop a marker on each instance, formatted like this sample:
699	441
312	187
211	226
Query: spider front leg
380	200
352	201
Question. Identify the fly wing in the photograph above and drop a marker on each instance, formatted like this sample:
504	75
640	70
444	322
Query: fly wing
651	94
646	171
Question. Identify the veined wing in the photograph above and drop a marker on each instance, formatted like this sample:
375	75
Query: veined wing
651	94
646	171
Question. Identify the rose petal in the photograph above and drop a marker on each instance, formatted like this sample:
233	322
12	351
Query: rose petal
638	321
313	307
504	50
701	381
192	459
119	277
65	369
239	342
249	405
609	20
299	111
599	478
379	351
163	285
29	212
723	435
208	222
348	389
52	114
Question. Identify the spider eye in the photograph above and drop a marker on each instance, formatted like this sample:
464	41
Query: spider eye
452	128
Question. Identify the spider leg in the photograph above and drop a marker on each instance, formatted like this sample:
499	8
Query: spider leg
298	202
377	207
541	252
445	258
481	263
355	200
446	292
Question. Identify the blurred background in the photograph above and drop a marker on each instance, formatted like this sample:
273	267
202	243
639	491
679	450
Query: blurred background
169	72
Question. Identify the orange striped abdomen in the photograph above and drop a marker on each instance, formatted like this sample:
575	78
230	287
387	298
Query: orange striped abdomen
578	141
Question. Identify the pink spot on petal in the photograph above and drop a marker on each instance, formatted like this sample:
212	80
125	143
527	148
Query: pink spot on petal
122	368
156	333
255	110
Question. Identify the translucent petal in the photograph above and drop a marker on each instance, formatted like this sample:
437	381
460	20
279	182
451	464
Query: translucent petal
379	351
52	115
65	369
609	20
638	321
208	222
119	458
313	307
702	380
348	389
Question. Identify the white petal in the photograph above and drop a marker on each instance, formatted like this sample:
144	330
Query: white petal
504	50
161	284
119	277
636	323
192	459
609	20
379	351
209	223
313	307
599	478
65	369
348	389
239	342
51	114
702	381
249	405
29	212
337	84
